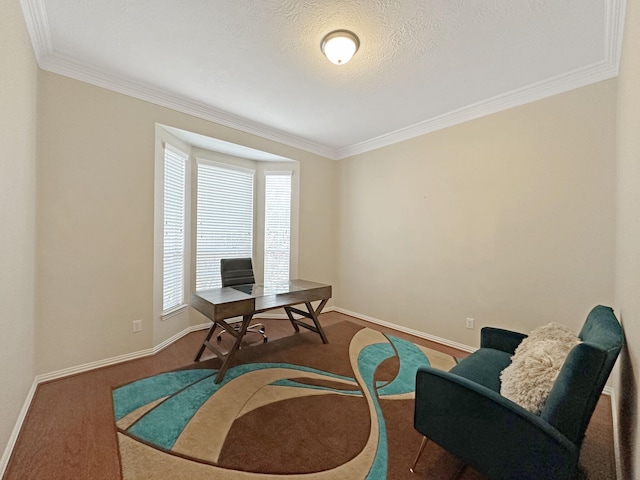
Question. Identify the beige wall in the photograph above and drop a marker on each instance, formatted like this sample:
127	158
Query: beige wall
17	214
509	219
628	253
95	220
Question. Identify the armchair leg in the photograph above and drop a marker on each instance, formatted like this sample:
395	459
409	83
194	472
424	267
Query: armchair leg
422	445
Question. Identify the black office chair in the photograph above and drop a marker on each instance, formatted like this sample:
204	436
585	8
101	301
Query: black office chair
239	271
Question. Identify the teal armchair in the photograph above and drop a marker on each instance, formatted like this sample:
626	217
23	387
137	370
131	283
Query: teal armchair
462	410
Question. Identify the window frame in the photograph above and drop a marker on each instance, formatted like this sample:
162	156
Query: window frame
162	139
184	158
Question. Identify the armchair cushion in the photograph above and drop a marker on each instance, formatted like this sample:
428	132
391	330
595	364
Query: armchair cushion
484	367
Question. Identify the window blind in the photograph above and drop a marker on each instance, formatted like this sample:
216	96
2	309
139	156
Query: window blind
174	229
224	220
277	230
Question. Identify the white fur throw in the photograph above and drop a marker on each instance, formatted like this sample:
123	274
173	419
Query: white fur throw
536	364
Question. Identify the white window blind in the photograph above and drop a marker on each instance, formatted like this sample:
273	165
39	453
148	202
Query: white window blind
224	220
277	229
174	229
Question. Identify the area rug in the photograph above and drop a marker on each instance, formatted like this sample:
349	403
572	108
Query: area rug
293	409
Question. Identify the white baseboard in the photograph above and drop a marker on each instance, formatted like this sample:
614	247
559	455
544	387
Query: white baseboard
47	377
616	439
4	461
410	331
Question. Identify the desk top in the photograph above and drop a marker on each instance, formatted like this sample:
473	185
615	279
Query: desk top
228	302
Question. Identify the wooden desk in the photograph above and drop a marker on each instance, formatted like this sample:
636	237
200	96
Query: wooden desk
221	304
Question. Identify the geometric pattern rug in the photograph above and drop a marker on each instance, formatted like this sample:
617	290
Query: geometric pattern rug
293	409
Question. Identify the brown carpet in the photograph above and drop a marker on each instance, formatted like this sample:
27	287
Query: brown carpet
293	408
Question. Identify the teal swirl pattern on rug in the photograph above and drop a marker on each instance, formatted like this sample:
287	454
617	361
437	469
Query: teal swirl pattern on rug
157	412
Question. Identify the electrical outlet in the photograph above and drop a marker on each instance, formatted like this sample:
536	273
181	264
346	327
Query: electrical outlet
470	323
137	326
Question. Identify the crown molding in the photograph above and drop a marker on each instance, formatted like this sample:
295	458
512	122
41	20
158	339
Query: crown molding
35	16
607	68
69	67
563	83
37	24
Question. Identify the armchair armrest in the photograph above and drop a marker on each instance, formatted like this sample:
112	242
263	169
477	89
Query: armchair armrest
500	339
494	435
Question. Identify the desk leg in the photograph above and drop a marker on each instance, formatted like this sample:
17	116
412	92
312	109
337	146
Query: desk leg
311	314
228	358
206	340
291	319
314	317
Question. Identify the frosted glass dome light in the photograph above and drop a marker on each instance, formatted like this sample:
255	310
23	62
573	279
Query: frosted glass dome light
339	46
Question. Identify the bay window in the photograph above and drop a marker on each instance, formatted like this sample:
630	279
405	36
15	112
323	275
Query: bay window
215	206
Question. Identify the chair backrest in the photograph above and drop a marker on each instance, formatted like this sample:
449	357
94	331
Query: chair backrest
581	380
236	271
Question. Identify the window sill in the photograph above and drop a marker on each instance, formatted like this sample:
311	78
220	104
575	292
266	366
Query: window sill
173	312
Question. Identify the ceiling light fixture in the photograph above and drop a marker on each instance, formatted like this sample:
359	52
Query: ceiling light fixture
339	46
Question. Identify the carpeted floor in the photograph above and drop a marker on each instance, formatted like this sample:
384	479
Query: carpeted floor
69	431
292	408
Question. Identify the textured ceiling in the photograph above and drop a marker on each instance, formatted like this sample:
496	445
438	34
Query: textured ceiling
257	65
